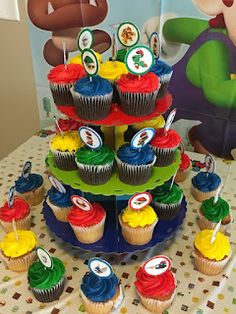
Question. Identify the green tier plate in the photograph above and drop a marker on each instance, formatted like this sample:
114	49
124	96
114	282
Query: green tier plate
114	186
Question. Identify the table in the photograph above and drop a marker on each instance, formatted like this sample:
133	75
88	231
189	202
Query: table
196	293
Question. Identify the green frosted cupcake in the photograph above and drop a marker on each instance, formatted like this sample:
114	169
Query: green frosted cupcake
167	201
47	284
95	165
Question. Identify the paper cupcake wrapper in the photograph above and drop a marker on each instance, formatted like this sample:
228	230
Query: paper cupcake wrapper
182	175
92	108
64	160
204	223
89	234
154	305
209	267
60	213
61	94
167	211
164	156
202	196
34	197
139	235
21	263
96	307
49	295
137	104
21	224
134	174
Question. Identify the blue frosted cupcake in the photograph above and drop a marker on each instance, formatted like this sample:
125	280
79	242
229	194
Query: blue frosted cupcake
205	185
164	72
135	165
92	99
31	188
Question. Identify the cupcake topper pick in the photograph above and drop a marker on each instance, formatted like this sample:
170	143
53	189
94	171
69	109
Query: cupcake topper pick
210	163
128	34
64	54
58	126
181	148
10	199
26	171
169	121
173	180
216	230
100	268
81	203
114	48
90	62
57	185
14	229
142	138
140	200
157	265
155	44
90	137
85	39
44	257
217	195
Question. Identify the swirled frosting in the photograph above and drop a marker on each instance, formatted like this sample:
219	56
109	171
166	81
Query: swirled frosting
121	53
68	125
185	162
155	123
82	218
161	68
97	289
41	277
61	199
169	140
15	248
139	218
24	185
97	87
112	70
78	59
206	182
69	142
19	210
162	194
218	250
129	83
98	157
215	212
70	74
155	287
129	155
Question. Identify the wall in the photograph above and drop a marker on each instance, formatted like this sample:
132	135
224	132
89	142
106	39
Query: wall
19	117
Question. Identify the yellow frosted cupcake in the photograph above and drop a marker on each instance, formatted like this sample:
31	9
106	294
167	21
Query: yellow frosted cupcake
78	60
156	123
211	258
18	254
138	225
63	149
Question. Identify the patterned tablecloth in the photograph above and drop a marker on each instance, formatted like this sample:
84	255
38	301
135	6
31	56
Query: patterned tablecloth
196	293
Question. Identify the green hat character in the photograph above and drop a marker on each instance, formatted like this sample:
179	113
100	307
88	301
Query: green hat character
89	62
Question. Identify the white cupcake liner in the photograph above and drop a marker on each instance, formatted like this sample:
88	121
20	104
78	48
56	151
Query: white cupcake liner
167	211
21	263
202	196
96	307
61	93
92	108
204	223
21	224
164	82
164	156
64	160
134	174
137	104
34	197
154	305
60	213
182	175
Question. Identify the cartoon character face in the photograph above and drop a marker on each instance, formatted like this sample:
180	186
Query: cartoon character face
127	34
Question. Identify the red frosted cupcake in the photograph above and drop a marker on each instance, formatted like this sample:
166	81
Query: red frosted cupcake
68	125
138	93
164	145
184	168
20	211
61	79
88	226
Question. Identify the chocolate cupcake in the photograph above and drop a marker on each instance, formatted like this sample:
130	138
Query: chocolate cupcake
164	72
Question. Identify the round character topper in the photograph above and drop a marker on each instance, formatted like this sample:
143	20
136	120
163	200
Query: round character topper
210	163
57	185
90	62
169	120
128	34
139	59
81	203
10	199
85	39
142	138
181	148
26	171
44	257
157	265
100	268
155	44
90	137
140	200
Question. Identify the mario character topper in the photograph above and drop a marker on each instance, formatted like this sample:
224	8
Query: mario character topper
90	137
81	203
139	59
128	34
157	265
155	44
210	163
100	268
139	201
44	257
142	138
57	185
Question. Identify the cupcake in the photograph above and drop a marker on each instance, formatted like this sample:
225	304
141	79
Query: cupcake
95	165
78	59
18	254
164	146
63	148
47	284
156	292
166	201
137	226
164	73
211	258
68	125
20	211
92	98
205	185
61	79
31	188
88	226
155	123
134	165
184	168
211	213
138	93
